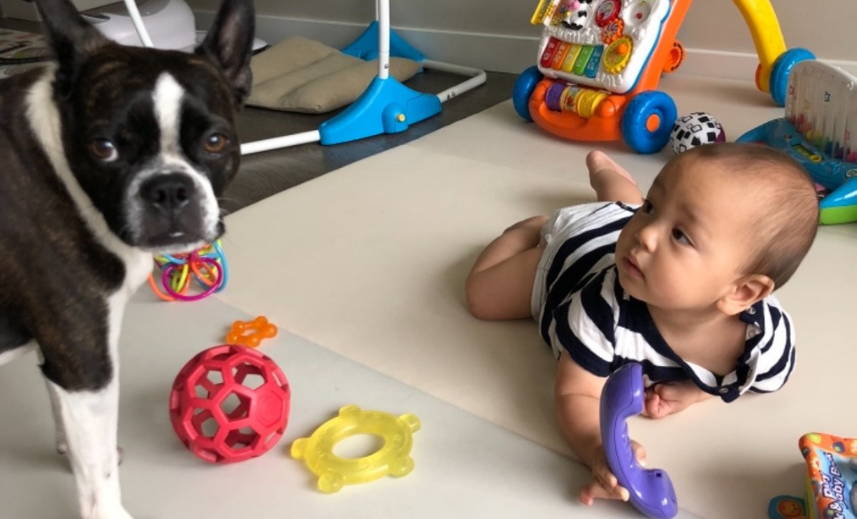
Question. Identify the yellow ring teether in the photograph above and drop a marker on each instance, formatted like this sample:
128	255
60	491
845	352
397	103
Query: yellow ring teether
333	472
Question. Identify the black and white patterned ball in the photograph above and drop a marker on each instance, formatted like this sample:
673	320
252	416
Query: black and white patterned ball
695	129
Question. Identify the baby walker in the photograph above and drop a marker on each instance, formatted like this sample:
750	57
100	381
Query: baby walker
600	61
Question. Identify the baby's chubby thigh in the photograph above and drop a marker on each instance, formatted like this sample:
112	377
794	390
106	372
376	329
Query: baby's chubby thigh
531	226
500	285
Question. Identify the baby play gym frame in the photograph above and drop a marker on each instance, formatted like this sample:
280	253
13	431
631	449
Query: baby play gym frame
386	106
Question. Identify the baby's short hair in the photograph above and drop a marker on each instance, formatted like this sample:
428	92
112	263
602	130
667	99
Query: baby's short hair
789	207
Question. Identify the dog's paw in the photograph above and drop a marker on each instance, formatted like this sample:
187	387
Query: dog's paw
120	514
116	513
107	511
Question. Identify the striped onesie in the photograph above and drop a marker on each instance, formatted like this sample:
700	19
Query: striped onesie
581	309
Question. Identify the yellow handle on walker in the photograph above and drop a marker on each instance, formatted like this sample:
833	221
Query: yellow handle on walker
767	36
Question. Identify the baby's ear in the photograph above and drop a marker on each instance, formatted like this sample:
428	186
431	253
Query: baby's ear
744	293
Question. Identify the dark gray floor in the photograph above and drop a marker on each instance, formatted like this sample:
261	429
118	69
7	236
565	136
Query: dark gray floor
264	174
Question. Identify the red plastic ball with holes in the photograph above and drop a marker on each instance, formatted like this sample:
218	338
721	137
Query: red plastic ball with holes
230	403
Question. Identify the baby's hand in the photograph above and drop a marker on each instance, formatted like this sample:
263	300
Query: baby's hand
669	398
604	484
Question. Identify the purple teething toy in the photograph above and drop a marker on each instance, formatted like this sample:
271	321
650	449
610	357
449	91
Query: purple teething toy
651	489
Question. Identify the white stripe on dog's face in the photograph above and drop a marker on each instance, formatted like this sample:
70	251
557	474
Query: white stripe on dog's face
167	99
168	104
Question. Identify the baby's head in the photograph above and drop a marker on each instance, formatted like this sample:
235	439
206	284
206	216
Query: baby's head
722	226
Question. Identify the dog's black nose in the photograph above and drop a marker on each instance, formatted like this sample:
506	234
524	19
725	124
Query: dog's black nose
171	192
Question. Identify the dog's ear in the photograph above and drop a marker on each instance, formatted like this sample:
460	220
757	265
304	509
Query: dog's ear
71	38
229	43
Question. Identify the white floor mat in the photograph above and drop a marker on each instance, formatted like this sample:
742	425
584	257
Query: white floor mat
370	262
464	466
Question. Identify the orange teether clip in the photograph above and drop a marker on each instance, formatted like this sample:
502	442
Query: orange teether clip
251	333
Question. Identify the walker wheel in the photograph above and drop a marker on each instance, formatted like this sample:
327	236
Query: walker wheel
779	82
648	121
524	87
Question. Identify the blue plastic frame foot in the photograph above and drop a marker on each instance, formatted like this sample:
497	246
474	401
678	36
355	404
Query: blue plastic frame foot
365	46
386	106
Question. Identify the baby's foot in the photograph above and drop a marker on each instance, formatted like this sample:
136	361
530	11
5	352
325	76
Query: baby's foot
597	161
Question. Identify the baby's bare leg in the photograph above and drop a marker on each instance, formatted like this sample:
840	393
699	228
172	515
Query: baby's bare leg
611	182
501	281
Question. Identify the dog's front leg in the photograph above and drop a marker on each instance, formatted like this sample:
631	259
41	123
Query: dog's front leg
61	443
89	419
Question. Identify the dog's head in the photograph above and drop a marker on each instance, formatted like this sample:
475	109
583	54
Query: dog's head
149	134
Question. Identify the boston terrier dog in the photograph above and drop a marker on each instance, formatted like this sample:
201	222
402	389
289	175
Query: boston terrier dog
107	156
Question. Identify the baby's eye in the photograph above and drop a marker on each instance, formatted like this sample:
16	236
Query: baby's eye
647	207
681	237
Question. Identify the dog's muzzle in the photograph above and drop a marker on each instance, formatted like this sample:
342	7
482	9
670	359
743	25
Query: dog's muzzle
173	212
169	194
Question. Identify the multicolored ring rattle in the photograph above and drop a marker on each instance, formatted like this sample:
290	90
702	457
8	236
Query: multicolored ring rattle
207	266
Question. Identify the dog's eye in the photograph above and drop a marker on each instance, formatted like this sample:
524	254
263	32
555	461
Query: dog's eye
215	143
103	150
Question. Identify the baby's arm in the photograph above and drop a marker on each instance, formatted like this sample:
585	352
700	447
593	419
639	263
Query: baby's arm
671	397
611	182
578	394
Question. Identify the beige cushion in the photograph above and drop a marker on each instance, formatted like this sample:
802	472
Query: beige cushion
302	75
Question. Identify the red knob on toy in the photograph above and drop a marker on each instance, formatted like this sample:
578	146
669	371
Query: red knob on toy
230	403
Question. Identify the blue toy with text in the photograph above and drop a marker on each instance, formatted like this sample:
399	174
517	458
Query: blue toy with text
819	131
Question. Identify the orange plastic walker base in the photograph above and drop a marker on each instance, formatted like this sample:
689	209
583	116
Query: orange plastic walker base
602	126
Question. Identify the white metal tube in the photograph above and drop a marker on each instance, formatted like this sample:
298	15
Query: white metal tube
478	77
383	38
138	23
280	142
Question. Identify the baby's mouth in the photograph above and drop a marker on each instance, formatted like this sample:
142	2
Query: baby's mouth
633	268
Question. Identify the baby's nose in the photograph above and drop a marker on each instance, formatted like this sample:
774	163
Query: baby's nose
647	237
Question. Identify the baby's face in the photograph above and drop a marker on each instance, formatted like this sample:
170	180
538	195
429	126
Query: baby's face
687	244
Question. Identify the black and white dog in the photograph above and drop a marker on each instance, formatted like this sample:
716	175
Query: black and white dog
108	155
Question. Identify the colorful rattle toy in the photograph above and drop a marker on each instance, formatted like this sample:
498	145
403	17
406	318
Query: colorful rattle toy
651	491
831	481
251	333
229	403
207	266
333	472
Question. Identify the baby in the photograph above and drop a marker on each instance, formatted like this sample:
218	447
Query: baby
680	281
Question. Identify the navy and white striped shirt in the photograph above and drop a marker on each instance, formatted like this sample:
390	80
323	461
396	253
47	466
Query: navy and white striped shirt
585	311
